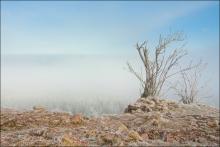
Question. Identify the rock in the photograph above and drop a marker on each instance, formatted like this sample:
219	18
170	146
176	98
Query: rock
164	120
201	140
77	119
213	123
150	102
130	108
145	136
68	140
168	138
11	123
37	132
55	122
156	100
122	128
67	120
39	109
155	122
109	139
145	108
91	133
135	136
141	100
147	105
213	138
143	144
132	144
105	128
165	108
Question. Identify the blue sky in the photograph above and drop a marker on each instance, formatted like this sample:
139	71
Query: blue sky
54	27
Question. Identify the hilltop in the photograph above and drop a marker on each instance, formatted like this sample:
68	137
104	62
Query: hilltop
146	122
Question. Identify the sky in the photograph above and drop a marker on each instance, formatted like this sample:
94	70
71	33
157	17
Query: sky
55	27
98	30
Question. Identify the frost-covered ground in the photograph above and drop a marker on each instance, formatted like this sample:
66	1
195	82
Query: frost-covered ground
147	122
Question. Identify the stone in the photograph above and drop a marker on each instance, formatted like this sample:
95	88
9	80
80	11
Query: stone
168	138
213	123
55	122
37	132
109	139
131	108
122	128
155	122
150	102
145	136
141	100
201	140
68	140
135	136
77	119
213	138
39	109
9	123
143	144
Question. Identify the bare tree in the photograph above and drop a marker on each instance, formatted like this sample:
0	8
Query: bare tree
159	68
187	87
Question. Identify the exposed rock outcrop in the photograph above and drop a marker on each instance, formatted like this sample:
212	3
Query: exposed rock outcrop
151	104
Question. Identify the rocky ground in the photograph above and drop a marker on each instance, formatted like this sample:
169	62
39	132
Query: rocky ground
147	122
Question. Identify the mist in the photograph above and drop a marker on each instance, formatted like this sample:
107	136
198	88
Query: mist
89	84
84	84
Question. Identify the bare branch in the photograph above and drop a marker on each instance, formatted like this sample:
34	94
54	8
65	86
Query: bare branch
185	69
157	69
188	92
136	74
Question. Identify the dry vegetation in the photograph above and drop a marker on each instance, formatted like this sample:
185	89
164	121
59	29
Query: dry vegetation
187	87
161	67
